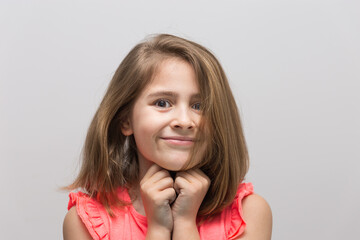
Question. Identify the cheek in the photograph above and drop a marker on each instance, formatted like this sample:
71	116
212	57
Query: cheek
143	133
144	141
146	130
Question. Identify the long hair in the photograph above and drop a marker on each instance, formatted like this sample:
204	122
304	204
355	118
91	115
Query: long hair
110	158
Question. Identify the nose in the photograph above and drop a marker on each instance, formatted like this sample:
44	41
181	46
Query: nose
183	119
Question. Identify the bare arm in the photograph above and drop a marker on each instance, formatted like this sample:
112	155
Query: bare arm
74	228
258	218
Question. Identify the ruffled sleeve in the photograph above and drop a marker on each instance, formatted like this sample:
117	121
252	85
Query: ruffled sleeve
91	213
235	224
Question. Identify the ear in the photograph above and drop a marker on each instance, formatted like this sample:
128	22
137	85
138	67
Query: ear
126	127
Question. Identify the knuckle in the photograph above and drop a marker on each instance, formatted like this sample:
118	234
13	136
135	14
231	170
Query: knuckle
207	180
169	180
145	189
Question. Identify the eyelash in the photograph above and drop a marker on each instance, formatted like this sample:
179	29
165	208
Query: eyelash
198	108
159	100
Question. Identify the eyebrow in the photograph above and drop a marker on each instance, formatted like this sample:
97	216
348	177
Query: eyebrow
169	94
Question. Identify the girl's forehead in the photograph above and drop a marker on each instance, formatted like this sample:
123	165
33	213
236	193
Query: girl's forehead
170	65
174	75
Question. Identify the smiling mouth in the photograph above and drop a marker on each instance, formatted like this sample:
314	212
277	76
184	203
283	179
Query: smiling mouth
179	141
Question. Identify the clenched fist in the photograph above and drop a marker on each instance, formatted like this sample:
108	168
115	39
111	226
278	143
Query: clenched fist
172	205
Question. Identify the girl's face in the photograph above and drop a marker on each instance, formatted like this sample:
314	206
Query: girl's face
165	117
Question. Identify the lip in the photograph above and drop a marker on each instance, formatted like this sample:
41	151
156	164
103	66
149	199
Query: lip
179	140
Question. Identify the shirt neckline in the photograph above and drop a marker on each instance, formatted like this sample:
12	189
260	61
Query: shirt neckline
124	194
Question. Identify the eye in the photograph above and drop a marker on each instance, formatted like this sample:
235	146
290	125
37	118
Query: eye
162	103
196	106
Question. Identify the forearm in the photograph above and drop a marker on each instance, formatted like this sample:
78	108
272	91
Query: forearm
185	230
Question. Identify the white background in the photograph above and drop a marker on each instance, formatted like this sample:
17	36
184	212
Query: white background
293	66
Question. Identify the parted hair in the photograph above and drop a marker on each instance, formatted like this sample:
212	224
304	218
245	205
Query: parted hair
109	158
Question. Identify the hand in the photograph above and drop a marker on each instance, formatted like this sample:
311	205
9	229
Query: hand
191	187
157	193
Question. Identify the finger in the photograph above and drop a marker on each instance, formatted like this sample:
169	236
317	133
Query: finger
158	176
164	183
151	171
196	175
180	183
191	180
188	176
169	194
200	175
153	175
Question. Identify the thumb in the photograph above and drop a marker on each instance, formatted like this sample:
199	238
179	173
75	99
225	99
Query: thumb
178	183
173	198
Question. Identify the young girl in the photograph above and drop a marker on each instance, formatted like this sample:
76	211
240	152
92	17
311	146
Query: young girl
165	155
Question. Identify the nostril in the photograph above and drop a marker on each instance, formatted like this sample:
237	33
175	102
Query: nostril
183	125
179	126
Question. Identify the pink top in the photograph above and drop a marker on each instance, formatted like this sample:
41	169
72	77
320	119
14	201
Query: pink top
129	224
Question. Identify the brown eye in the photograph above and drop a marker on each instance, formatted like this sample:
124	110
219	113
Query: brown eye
162	103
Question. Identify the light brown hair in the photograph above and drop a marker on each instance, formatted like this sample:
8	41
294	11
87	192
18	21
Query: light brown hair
110	158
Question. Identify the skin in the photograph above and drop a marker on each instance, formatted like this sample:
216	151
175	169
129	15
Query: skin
171	104
164	121
165	117
73	227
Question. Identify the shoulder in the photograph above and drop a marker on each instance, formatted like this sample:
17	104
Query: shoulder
73	227
258	217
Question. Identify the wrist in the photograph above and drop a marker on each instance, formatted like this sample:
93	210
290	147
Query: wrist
158	233
185	225
188	226
184	222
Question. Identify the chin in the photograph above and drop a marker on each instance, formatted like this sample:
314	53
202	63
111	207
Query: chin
173	167
172	162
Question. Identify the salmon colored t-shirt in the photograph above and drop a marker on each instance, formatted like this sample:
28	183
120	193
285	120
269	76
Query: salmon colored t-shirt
130	225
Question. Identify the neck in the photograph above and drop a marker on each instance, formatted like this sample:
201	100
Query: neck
134	192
